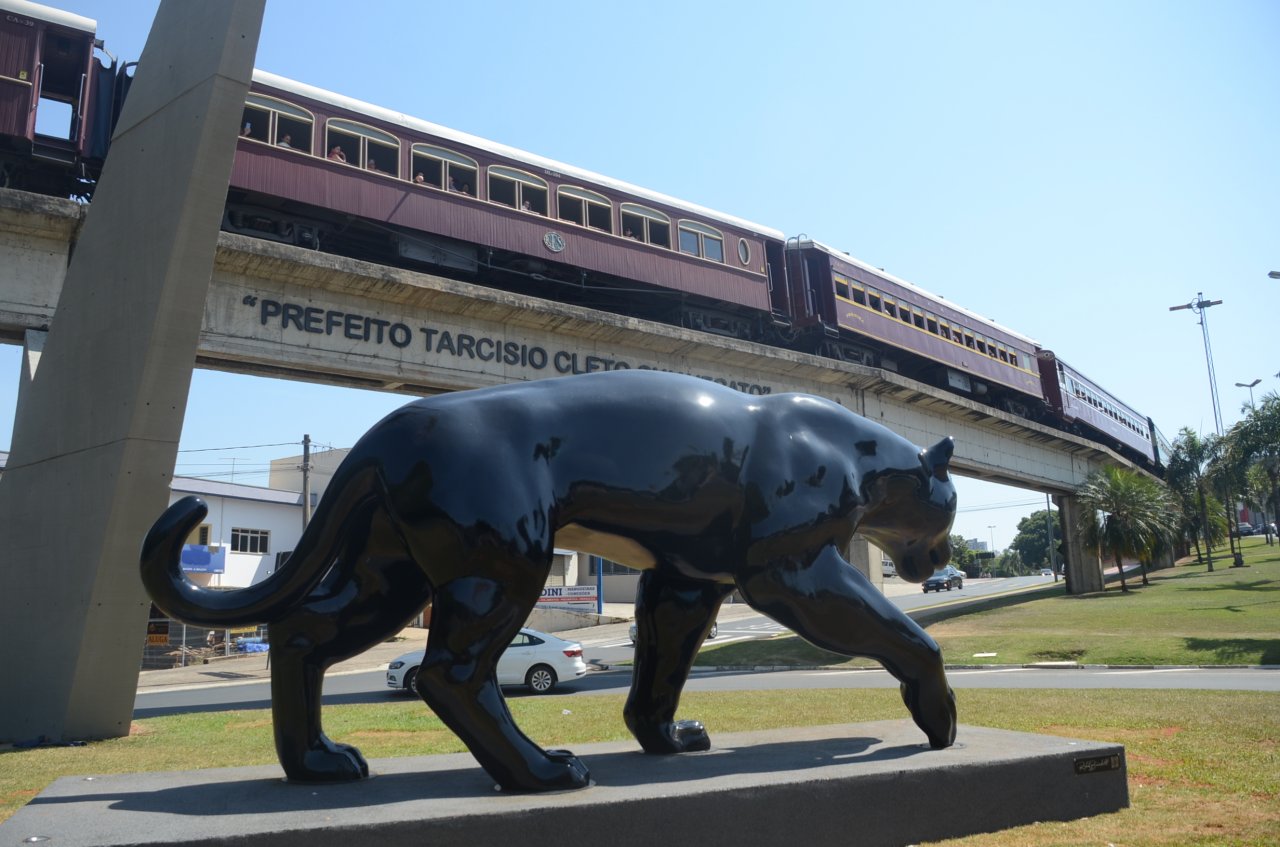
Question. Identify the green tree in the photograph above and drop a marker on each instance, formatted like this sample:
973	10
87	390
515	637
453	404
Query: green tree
963	557
1257	438
1010	563
1037	533
1126	513
1187	475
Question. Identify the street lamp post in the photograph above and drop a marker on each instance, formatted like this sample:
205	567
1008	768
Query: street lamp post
1199	306
992	529
1249	385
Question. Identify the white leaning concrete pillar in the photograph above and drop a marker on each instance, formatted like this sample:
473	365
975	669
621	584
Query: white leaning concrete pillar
865	556
97	429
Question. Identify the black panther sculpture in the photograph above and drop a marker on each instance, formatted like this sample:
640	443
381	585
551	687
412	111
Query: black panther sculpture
459	501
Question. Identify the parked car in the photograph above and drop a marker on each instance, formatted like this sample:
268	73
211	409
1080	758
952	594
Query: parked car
949	577
715	630
533	658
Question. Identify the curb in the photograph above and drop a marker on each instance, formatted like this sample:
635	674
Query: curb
1033	665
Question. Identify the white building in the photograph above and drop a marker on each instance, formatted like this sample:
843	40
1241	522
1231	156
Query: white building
247	530
245	534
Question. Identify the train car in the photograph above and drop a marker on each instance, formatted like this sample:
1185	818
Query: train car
851	311
58	101
1090	410
322	170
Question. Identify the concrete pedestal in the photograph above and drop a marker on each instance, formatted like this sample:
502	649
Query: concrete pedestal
865	784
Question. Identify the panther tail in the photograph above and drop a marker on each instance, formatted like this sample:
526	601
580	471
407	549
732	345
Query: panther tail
262	602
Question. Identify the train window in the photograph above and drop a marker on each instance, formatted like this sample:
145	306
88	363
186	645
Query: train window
584	208
688	242
645	224
744	251
1004	354
376	151
441	168
931	322
981	346
890	308
276	122
969	341
701	240
517	189
859	296
873	297
842	286
917	319
904	312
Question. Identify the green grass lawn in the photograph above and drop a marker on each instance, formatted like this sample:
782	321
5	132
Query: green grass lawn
1186	616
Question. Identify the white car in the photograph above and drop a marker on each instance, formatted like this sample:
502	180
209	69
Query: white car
533	658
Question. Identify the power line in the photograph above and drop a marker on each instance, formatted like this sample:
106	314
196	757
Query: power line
242	447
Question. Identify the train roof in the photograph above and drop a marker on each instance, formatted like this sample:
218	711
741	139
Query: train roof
417	124
845	257
48	13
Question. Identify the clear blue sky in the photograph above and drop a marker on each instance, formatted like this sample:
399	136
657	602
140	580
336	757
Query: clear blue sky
1069	170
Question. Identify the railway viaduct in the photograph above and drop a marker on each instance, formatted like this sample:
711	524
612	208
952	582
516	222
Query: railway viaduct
282	311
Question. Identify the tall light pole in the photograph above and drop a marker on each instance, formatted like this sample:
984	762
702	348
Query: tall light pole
1249	385
1199	306
992	529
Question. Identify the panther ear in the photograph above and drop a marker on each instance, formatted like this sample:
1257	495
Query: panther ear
936	458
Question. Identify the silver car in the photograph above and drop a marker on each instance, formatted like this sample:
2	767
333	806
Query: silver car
536	659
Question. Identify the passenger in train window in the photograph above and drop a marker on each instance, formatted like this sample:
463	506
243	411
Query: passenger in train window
524	207
246	130
466	188
419	179
285	141
336	154
453	186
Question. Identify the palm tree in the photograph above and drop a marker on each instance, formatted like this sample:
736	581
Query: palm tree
1187	474
1128	514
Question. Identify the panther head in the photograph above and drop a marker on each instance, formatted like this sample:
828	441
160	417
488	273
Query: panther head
910	512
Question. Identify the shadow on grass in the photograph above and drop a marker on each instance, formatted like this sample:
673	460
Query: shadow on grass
1256	585
1238	651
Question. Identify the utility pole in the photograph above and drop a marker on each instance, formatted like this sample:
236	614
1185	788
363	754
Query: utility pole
306	480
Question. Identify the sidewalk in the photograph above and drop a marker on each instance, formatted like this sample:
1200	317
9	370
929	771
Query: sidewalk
253	667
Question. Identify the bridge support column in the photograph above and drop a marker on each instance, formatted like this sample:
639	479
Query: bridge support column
98	423
865	556
1084	568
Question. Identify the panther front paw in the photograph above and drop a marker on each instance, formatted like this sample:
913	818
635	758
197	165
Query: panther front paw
677	737
934	711
559	771
328	762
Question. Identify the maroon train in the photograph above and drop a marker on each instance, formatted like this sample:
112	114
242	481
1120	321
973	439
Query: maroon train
327	172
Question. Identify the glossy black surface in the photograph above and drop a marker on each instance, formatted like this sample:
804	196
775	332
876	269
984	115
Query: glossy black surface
457	501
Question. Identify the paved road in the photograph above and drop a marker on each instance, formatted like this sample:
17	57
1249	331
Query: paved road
370	686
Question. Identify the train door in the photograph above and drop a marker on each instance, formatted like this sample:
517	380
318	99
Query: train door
62	81
18	38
